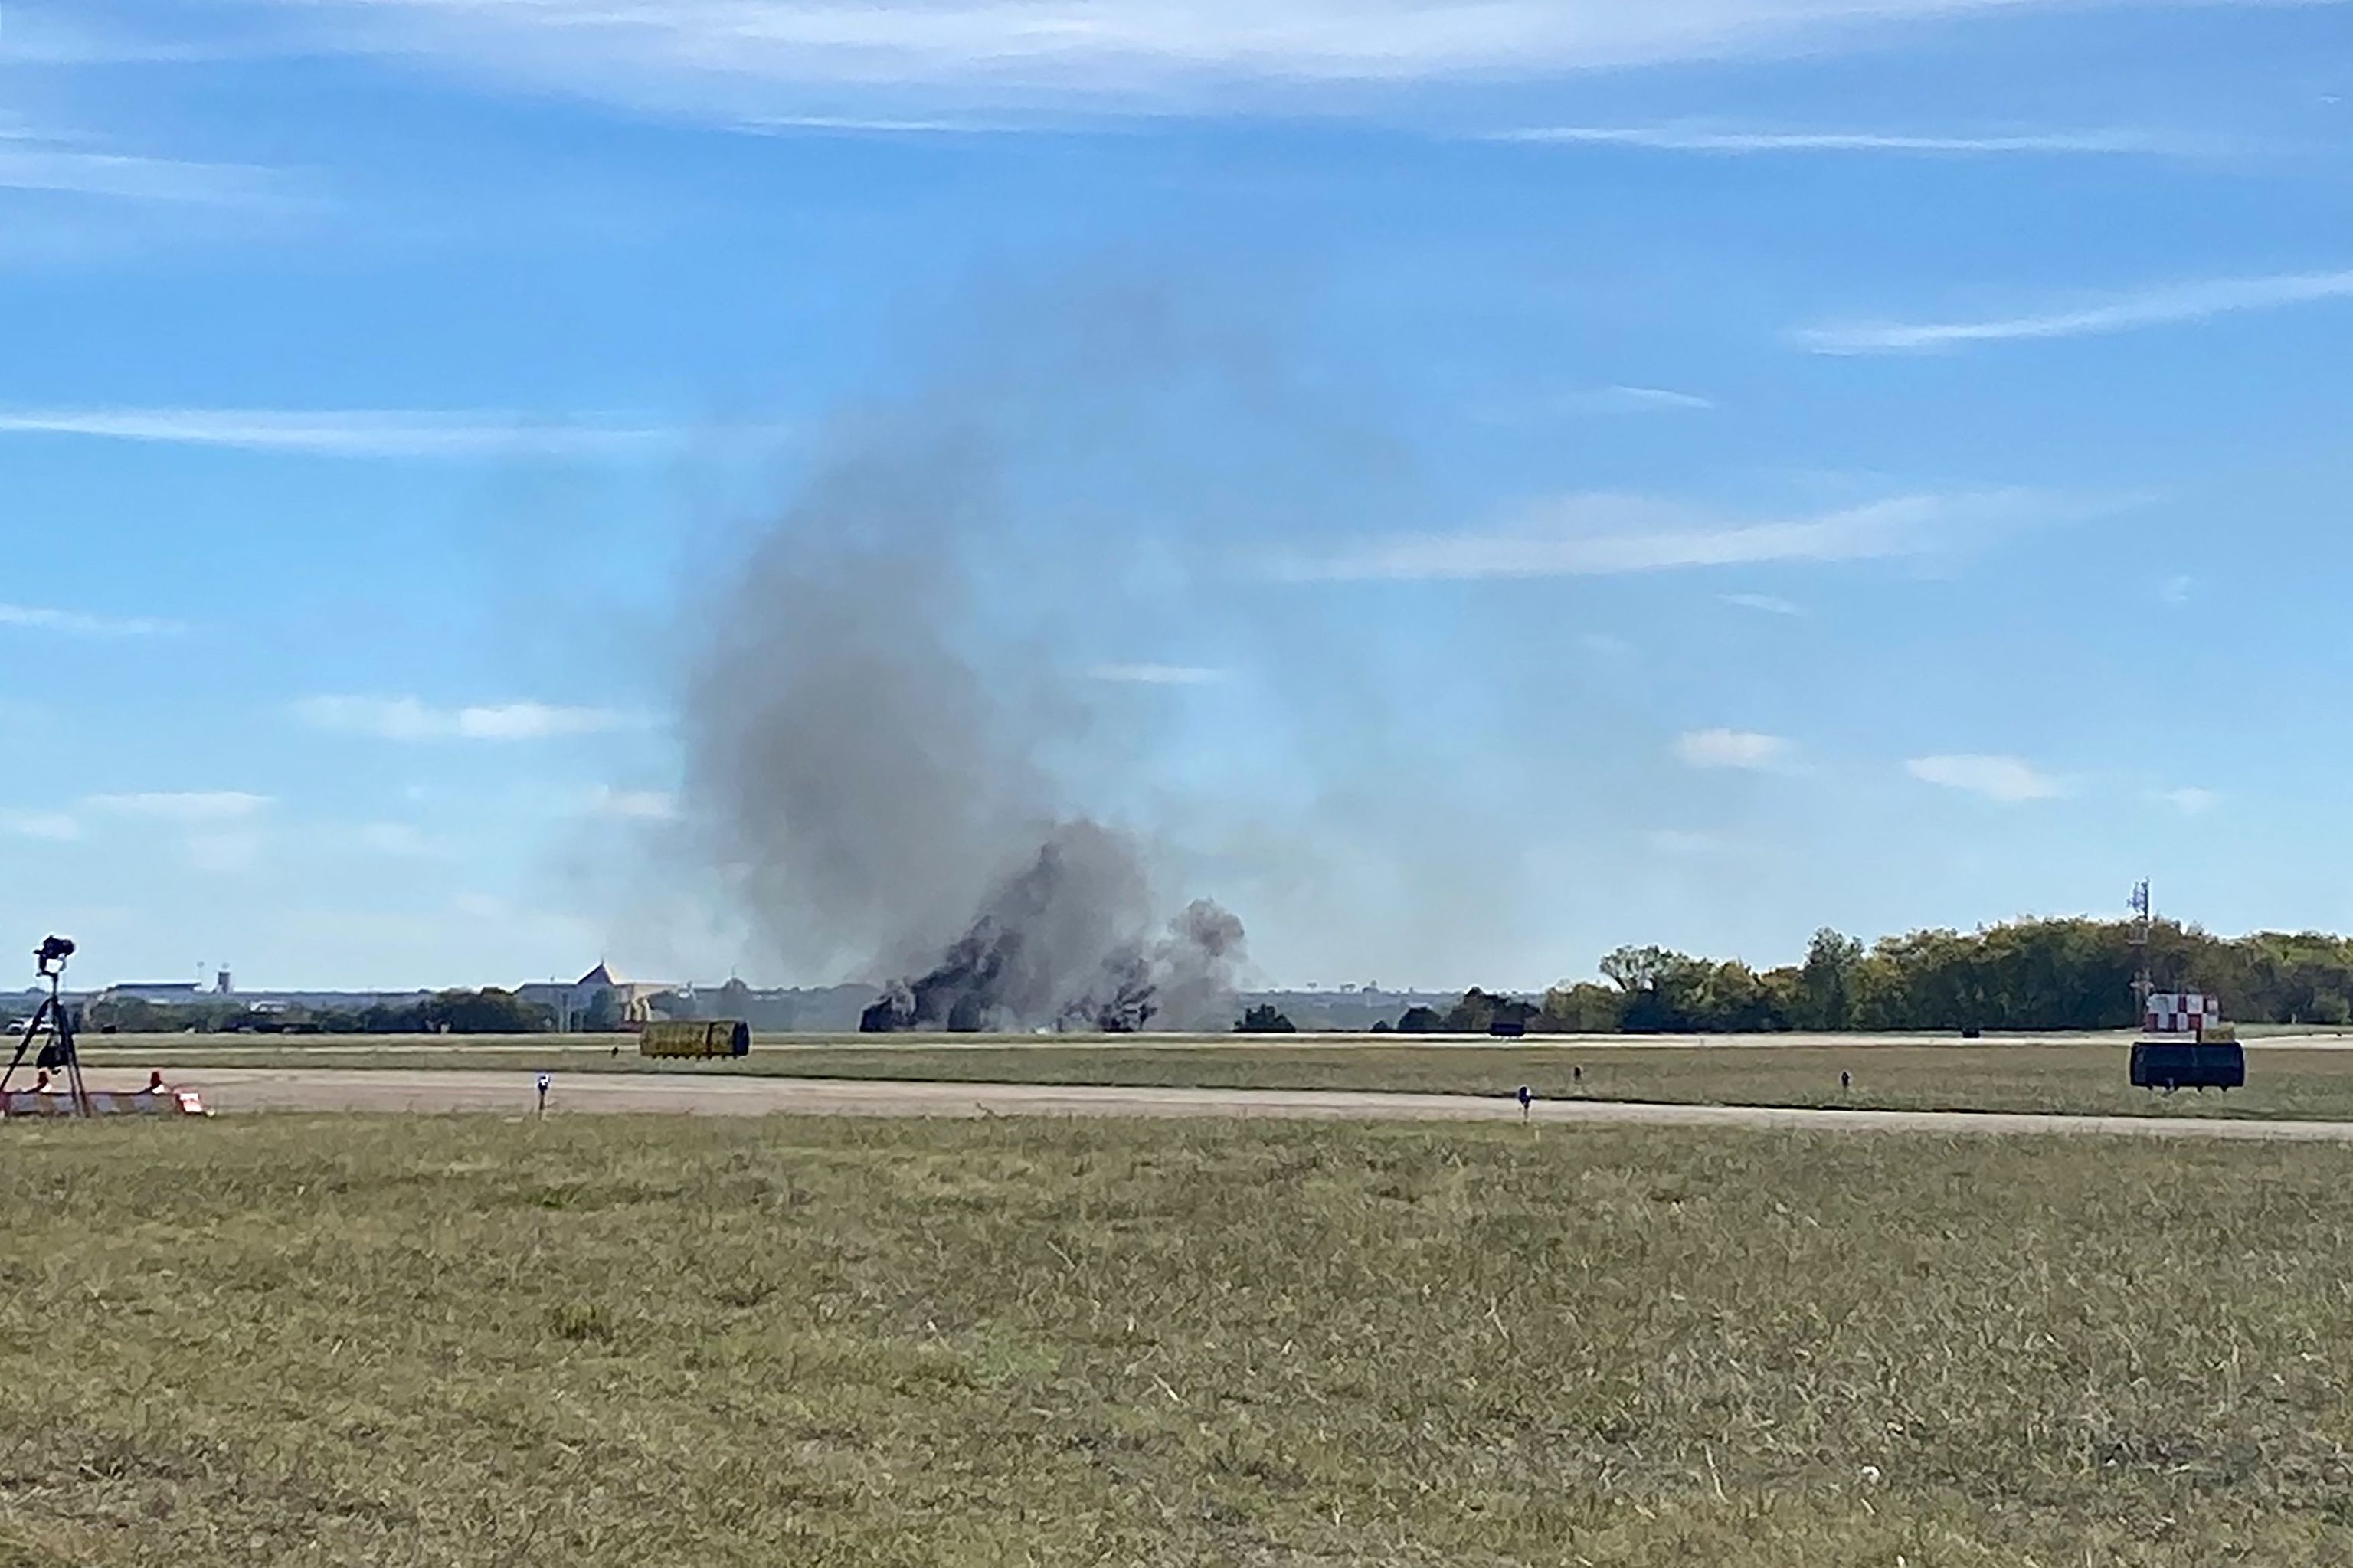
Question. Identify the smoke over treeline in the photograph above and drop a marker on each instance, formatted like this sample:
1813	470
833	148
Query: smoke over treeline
867	753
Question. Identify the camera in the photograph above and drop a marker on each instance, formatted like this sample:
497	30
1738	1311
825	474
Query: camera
51	955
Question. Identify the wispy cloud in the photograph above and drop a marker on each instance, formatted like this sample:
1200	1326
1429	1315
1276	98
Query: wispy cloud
359	433
1763	603
411	719
740	59
2170	305
856	125
189	807
633	805
54	826
2191	801
1633	400
2004	779
79	623
29	163
1751	143
1606	535
1742	748
31	36
1157	674
2176	588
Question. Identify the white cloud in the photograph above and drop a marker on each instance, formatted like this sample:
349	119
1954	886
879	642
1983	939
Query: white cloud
77	623
29	165
856	125
633	805
410	719
1633	400
193	806
1606	535
2005	778
2169	305
1763	603
2176	590
1738	143
1731	749
1157	674
54	826
742	59
2191	802
29	36
354	433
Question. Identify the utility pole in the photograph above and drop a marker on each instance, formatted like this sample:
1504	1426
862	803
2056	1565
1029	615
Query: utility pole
2143	985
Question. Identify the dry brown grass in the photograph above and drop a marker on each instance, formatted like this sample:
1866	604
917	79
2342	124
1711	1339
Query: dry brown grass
633	1340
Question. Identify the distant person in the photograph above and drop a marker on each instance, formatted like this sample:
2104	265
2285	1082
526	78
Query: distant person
1846	1081
155	1081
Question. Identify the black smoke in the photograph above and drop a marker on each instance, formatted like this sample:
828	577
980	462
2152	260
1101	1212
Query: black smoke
1052	949
867	748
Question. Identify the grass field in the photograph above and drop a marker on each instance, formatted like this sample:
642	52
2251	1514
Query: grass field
2074	1077
605	1342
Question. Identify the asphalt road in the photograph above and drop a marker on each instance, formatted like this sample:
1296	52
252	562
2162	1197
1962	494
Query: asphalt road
241	1089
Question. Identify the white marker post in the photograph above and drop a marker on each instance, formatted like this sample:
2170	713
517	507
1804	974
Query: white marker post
546	1081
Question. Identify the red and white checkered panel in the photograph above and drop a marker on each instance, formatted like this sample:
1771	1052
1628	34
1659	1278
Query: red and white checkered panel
2181	1012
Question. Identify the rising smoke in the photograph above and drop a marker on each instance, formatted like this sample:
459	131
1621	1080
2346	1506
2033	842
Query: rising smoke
871	768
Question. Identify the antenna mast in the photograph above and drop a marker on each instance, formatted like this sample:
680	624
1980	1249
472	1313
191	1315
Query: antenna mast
2143	985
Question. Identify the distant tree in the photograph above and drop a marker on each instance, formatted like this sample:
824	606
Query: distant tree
1420	1020
1583	1008
491	1012
1264	1018
1661	991
603	1013
394	1017
1638	969
127	1014
1471	1015
1513	1016
1826	983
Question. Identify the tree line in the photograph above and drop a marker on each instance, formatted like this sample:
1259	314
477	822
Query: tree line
2020	975
487	1012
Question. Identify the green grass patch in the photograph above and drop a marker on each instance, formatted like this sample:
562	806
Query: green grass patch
638	1340
2080	1078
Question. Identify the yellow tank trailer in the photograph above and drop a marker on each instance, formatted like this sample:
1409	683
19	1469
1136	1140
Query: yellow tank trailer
696	1038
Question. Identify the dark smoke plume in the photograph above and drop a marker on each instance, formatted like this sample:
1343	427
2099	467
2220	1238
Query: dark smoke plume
1037	953
868	758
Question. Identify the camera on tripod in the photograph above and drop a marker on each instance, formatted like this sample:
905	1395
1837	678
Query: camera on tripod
49	958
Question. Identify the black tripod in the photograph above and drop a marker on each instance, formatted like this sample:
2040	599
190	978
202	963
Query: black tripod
52	1018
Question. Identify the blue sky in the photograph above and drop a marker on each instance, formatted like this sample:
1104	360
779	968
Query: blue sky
1686	472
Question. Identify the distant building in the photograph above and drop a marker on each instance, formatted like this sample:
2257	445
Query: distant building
574	1004
151	991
